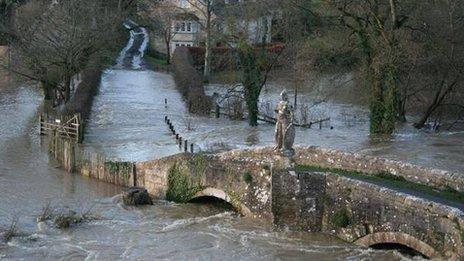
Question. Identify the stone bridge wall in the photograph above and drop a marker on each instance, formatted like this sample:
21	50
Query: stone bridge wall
365	214
246	185
328	158
4	58
258	183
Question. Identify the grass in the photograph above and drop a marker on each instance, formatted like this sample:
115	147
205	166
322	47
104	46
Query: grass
12	230
156	62
63	217
225	77
390	180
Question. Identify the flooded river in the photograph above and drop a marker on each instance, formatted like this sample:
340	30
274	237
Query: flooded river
127	123
164	231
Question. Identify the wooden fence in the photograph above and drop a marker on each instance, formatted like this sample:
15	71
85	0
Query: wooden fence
69	127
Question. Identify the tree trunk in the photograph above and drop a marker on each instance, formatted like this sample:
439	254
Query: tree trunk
252	78
48	90
252	105
168	52
67	88
207	69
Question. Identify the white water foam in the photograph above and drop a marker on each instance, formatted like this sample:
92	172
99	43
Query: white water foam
123	52
137	59
181	223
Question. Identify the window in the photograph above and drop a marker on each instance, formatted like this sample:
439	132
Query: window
183	26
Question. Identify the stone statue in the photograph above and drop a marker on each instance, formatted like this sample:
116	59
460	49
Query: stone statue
285	130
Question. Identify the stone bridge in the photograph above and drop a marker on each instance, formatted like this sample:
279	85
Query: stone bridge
364	200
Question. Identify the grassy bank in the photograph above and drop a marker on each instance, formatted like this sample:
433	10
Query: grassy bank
156	61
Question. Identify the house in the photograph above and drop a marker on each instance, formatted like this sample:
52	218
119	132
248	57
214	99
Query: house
188	24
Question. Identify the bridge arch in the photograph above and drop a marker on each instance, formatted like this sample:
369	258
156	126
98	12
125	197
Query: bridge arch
220	194
398	238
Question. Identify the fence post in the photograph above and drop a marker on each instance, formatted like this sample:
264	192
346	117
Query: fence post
191	148
218	111
80	129
185	146
40	124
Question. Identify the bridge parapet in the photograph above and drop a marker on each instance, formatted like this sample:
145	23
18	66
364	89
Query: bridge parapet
246	185
330	158
366	214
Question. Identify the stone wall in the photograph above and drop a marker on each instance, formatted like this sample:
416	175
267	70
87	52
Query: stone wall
4	58
74	159
245	185
372	165
328	158
366	214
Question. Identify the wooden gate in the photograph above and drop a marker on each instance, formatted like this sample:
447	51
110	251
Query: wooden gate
66	126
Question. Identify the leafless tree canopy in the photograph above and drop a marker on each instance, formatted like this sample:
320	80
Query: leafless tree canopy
54	40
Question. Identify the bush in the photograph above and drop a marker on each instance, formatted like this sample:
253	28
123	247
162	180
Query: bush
189	82
225	58
81	101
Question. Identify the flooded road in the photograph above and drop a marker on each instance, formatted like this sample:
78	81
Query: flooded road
127	122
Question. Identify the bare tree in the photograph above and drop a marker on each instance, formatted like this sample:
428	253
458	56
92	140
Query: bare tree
206	9
439	32
56	40
161	18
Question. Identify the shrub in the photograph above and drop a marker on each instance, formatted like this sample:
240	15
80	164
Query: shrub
81	101
189	82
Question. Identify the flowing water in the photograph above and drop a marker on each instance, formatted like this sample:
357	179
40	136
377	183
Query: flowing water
127	123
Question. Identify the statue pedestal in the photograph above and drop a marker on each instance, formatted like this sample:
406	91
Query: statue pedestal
286	157
289	153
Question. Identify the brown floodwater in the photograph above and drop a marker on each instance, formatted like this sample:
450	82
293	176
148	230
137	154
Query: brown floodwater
127	123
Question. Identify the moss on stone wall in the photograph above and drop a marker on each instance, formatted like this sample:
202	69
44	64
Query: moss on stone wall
341	218
199	162
180	187
247	177
234	200
115	167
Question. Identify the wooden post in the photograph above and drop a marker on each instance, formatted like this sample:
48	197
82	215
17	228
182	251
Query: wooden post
191	148
40	124
218	111
185	146
165	118
80	129
177	136
180	142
